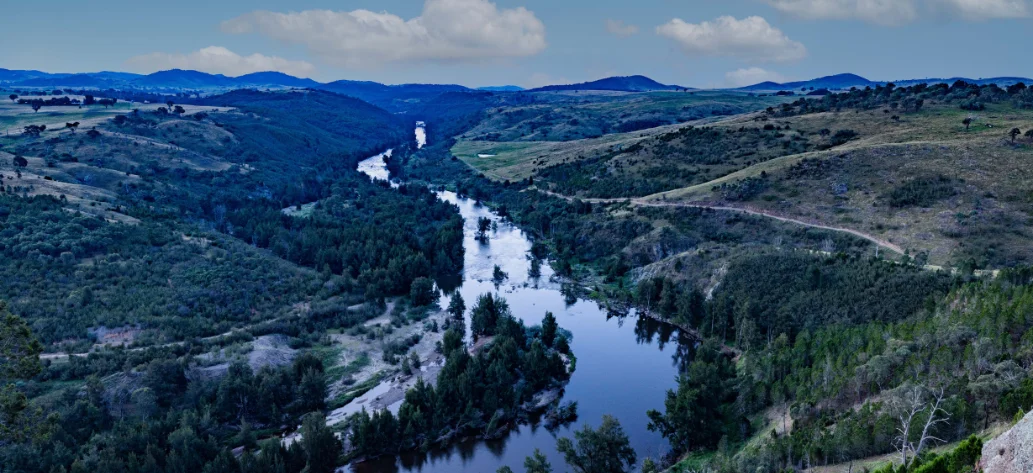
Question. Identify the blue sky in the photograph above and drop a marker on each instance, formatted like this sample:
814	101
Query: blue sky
702	43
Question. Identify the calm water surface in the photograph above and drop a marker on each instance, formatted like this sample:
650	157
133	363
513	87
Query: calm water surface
625	364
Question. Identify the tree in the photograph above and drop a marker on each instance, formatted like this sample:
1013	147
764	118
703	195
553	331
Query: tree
89	100
170	103
694	415
178	110
19	162
457	306
1029	134
825	132
36	105
320	445
485	316
72	126
310	394
549	327
537	463
967	122
13	97
34	130
421	292
603	450
498	276
19	359
456	310
535	271
483	225
1014	133
913	404
166	379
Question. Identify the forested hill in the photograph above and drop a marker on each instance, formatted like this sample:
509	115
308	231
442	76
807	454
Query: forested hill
330	121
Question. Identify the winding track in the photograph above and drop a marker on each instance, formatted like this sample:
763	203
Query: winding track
745	210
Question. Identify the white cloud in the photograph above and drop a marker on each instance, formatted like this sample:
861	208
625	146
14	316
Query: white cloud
751	38
977	10
752	75
219	60
898	12
446	31
885	12
618	28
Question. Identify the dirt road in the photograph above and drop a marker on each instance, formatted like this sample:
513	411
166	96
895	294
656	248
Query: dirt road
745	210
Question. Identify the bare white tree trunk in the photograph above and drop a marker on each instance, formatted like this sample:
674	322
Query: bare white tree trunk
912	405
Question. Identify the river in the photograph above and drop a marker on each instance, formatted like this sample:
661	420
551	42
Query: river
625	364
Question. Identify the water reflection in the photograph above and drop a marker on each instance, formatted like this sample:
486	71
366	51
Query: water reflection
623	369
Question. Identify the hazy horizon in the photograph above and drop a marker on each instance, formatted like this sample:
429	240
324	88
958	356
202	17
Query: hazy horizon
529	42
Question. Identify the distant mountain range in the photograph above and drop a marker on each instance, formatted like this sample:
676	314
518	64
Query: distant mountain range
375	92
171	79
846	81
619	84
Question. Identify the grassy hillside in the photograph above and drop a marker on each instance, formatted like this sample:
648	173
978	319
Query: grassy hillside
924	182
921	180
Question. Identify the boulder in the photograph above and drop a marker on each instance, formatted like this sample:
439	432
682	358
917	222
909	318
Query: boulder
1012	451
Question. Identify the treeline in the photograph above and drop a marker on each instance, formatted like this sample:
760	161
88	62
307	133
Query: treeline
845	386
912	98
382	238
476	394
763	295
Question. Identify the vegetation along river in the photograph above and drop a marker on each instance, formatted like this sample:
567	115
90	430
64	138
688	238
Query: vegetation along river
625	364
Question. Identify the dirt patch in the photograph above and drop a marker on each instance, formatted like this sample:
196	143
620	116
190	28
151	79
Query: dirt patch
389	391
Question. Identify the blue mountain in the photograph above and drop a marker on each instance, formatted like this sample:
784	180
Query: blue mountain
846	81
183	79
275	79
619	84
834	82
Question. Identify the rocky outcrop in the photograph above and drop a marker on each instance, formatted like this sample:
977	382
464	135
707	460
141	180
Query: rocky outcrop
1012	452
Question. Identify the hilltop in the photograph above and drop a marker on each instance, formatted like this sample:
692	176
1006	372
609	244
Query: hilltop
618	84
846	81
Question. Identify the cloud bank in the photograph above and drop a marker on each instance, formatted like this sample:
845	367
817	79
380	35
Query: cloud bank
899	12
751	38
446	31
218	60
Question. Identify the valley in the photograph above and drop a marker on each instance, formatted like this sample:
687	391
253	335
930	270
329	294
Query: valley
434	278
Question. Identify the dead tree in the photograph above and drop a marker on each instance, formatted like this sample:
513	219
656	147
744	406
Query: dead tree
915	404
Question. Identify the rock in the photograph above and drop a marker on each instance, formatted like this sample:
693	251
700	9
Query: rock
1012	451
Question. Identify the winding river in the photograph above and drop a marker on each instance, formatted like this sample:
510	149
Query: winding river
625	364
